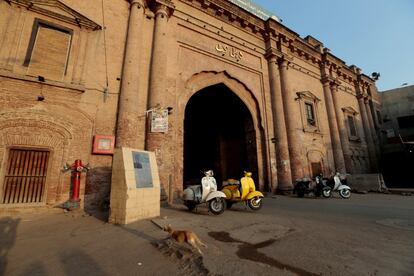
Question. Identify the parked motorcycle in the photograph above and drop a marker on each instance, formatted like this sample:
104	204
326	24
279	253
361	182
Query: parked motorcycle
243	191
205	193
304	186
339	183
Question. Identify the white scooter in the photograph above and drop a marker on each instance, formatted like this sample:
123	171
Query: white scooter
338	185
205	193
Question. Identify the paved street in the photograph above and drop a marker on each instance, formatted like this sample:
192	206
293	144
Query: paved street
369	234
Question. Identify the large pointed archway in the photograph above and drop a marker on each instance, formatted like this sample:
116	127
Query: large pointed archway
219	134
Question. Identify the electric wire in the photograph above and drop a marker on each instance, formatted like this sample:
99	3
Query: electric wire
105	52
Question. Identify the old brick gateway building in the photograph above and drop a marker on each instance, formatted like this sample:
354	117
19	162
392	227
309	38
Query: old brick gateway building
243	91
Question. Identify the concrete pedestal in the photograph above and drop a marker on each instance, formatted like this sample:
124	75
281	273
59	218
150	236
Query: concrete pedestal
135	190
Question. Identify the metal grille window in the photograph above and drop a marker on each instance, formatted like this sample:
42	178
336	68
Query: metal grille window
25	176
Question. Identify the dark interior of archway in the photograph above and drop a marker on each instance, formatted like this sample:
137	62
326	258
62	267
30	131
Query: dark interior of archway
218	134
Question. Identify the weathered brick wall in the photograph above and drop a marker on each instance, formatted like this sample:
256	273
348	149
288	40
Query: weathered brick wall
85	102
74	109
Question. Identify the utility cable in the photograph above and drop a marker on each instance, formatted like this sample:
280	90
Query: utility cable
106	92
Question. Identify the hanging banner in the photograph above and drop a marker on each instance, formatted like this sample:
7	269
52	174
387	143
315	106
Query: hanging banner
159	120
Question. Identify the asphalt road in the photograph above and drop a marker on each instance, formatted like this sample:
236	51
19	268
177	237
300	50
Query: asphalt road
359	208
370	234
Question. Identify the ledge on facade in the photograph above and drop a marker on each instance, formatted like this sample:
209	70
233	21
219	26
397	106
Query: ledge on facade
278	28
350	110
313	41
367	78
355	69
331	58
312	130
308	95
75	87
355	139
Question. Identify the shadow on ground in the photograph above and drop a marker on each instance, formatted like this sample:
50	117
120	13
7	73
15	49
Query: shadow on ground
8	233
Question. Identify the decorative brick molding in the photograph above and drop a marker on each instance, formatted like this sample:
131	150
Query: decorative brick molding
350	110
63	132
16	134
72	16
204	79
308	49
304	97
231	13
165	7
39	129
317	155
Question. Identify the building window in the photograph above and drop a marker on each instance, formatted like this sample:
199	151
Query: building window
351	125
350	117
308	104
48	51
310	114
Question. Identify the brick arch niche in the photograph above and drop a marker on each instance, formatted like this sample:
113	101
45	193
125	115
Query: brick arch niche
41	131
316	163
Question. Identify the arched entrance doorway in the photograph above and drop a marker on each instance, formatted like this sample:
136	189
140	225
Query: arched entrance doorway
219	134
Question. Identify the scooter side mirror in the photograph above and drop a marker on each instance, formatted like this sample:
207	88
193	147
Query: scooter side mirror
247	174
209	173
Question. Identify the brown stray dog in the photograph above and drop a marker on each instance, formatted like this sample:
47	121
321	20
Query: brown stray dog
187	236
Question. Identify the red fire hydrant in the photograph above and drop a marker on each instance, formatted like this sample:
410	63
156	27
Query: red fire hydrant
77	168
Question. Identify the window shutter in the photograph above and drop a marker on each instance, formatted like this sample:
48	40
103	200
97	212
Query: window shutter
50	53
352	127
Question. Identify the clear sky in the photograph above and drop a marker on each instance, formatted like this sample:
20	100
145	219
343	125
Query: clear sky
375	35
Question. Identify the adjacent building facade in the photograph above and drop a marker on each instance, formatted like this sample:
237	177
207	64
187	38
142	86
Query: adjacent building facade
397	145
203	84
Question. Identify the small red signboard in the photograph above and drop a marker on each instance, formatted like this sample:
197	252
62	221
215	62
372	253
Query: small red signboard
103	144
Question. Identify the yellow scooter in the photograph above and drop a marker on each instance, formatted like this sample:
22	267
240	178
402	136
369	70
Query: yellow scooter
243	191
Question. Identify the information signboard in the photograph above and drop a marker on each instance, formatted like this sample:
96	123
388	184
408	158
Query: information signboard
142	169
159	120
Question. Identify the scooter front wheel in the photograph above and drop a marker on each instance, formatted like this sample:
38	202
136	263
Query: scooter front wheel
217	205
255	203
326	192
345	193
